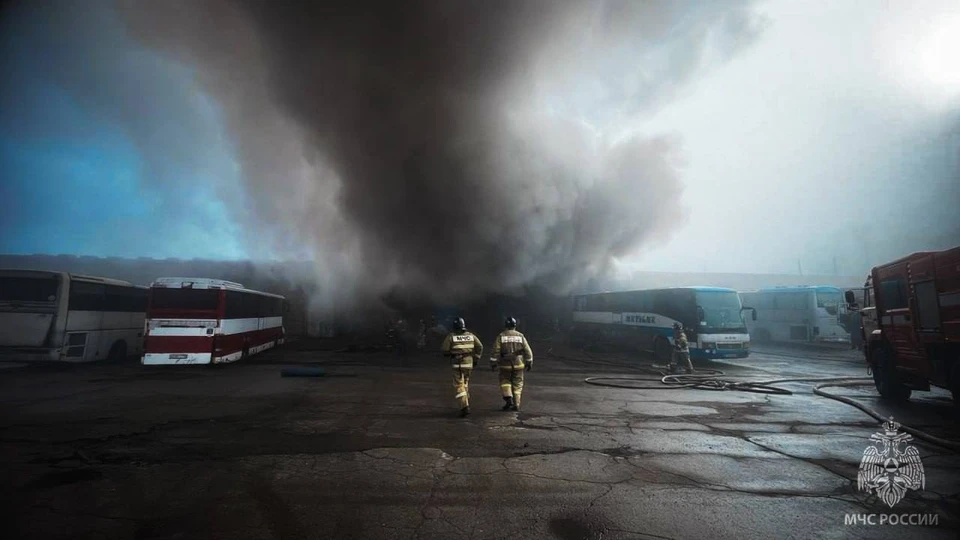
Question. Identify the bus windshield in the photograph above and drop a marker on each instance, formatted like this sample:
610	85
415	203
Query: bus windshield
826	299
721	312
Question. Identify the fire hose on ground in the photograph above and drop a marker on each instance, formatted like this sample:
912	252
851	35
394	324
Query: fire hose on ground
712	379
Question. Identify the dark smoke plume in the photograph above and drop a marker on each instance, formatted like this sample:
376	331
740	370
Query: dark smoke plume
451	148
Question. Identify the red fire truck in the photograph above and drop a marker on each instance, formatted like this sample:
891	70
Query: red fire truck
911	323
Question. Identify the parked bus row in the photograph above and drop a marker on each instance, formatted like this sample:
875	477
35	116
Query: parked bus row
643	321
76	318
714	318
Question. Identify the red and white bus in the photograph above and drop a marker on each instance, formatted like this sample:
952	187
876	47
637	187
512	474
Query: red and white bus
209	321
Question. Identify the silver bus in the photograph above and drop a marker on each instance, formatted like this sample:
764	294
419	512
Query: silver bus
796	314
66	317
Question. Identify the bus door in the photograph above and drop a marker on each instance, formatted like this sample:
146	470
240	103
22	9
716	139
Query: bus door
84	340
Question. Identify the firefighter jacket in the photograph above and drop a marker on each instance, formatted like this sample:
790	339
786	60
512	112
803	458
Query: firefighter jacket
463	348
509	345
680	342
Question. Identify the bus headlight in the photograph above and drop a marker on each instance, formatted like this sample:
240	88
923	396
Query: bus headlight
709	345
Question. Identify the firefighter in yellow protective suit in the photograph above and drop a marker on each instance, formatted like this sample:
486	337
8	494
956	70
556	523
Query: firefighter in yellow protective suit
681	351
511	355
465	350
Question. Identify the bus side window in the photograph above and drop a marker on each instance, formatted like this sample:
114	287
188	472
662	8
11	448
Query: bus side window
116	299
234	308
644	302
668	304
251	305
86	296
125	299
140	300
790	301
596	303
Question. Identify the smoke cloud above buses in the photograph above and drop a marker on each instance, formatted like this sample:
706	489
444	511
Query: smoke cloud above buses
448	148
455	148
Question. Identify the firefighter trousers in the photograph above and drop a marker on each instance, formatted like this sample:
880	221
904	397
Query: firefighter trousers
511	382
681	359
461	385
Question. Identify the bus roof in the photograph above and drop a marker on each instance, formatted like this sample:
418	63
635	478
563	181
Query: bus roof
204	283
105	281
194	283
73	277
689	288
798	288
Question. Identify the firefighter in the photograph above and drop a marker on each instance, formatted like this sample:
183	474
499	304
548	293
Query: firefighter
465	350
681	351
422	336
512	355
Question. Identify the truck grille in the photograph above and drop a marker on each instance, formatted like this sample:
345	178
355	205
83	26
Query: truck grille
729	345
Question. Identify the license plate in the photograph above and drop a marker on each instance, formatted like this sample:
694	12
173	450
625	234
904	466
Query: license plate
178	357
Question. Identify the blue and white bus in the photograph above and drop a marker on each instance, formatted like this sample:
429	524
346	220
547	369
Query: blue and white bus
643	320
797	314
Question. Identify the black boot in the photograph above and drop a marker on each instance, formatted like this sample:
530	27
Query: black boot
464	411
508	404
514	406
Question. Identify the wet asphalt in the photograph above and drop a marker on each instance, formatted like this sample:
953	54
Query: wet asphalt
375	450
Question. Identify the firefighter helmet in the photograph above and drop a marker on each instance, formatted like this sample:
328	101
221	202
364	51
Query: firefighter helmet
459	325
510	323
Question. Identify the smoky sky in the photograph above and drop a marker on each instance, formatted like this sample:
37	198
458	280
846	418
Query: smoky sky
84	112
458	148
445	146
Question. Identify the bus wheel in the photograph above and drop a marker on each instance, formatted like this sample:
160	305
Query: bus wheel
661	350
885	377
118	352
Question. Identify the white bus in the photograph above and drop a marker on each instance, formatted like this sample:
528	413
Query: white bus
643	321
796	314
69	317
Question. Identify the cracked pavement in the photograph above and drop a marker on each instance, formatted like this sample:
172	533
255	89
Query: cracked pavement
125	451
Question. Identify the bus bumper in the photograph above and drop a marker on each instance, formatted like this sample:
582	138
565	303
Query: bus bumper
833	339
166	359
715	354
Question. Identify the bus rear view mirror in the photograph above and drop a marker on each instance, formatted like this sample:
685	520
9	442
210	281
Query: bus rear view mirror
850	297
753	312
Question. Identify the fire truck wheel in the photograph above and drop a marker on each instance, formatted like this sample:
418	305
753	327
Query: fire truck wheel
886	378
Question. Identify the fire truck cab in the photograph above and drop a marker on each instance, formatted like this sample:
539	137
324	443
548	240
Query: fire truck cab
911	323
